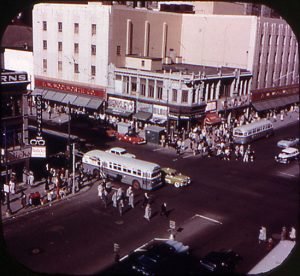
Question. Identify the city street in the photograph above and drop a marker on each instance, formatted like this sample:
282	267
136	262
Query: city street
224	207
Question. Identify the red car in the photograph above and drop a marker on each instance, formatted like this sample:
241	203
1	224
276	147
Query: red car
130	138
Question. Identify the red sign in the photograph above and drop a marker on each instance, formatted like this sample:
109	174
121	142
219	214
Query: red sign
66	87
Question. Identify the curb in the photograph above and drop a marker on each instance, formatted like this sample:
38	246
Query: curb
35	208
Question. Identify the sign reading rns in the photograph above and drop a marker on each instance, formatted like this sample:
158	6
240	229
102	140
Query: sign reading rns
13	77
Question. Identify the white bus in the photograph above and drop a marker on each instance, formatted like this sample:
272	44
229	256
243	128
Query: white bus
247	133
135	172
274	258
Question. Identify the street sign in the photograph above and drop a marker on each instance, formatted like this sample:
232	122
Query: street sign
4	172
38	151
116	247
172	224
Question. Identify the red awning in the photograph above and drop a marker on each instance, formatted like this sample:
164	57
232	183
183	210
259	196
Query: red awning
212	119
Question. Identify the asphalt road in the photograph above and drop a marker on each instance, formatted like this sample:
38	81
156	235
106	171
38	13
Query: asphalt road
224	207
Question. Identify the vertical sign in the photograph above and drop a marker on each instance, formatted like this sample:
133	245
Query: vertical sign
39	113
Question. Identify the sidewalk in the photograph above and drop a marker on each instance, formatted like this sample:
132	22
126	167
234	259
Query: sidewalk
15	199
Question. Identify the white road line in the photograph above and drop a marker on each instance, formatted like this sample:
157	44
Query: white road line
207	218
158	149
292	175
187	156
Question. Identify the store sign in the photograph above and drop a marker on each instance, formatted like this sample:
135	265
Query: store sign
69	88
13	77
211	106
160	111
38	151
145	107
118	104
19	154
39	114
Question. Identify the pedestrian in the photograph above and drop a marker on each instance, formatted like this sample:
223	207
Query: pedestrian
105	197
283	233
30	178
128	191
262	237
163	210
100	191
49	197
146	200
281	115
292	234
147	215
120	194
12	185
121	206
114	199
131	199
23	200
25	176
270	244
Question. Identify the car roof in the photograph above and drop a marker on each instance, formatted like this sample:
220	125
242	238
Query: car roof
289	150
168	170
117	149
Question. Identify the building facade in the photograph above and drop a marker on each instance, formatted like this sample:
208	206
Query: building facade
149	50
15	148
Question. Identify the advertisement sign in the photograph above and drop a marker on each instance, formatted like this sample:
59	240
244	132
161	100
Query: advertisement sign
211	106
121	104
39	152
160	111
145	107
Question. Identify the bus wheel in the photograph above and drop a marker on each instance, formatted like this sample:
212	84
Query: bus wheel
96	174
177	185
136	185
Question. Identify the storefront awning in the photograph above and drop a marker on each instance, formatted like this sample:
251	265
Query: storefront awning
48	95
81	101
58	96
142	116
69	98
212	119
158	121
275	103
118	112
94	104
37	91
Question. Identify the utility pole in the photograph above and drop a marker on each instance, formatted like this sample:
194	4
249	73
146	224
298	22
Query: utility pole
69	135
8	210
73	150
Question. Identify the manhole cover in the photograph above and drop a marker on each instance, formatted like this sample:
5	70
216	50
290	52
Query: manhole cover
119	222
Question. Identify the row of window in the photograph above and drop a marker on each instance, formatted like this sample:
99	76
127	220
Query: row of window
76	67
76	27
121	168
76	47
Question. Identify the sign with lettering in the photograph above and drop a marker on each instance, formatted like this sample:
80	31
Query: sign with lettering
13	77
38	151
39	114
46	84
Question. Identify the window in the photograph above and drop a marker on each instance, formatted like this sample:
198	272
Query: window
93	50
44	25
59	46
59	65
76	68
93	70
45	64
143	63
143	89
76	28
193	96
184	96
151	89
159	92
93	29
76	48
174	95
45	44
118	50
60	26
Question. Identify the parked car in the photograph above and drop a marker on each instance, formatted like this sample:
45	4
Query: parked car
132	138
220	262
287	155
171	176
288	142
158	257
120	152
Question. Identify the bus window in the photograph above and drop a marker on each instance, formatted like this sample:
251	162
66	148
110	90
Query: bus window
238	133
139	172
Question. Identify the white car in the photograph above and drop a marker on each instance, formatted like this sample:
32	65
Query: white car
121	152
287	155
288	142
